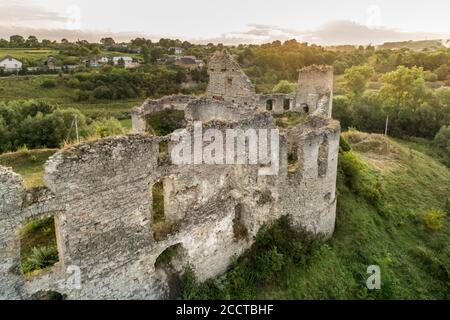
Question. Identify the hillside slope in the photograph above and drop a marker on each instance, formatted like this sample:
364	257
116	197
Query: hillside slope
389	232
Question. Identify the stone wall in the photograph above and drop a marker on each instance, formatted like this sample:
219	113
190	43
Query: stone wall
100	194
315	90
276	103
138	115
227	81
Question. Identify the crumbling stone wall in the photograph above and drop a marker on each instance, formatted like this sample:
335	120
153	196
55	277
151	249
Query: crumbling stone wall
177	102
315	90
100	194
227	81
276	103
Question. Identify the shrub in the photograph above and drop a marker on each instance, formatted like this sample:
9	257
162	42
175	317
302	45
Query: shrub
73	83
276	249
103	92
344	145
434	220
359	178
49	84
165	122
430	76
40	258
106	127
442	138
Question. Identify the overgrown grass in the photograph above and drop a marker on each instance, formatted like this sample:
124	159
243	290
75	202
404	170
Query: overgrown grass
29	87
381	220
26	53
38	245
165	122
427	147
29	164
289	119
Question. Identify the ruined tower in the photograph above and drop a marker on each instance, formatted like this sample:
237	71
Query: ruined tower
315	90
227	81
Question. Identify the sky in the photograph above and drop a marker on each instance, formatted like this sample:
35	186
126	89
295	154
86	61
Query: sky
326	22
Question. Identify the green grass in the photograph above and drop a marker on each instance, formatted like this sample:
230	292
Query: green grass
29	87
164	122
38	245
126	123
29	164
41	54
289	119
382	201
427	147
31	54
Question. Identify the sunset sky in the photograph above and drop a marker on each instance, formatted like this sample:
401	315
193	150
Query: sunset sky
231	21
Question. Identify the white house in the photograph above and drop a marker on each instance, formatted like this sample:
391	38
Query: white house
176	50
128	61
9	63
103	60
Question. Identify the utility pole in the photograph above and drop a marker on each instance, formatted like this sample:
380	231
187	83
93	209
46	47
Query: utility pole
387	124
76	127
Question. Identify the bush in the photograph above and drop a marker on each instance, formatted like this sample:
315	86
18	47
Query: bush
40	258
284	86
103	92
165	122
359	178
442	138
434	220
106	127
276	249
73	83
430	76
49	84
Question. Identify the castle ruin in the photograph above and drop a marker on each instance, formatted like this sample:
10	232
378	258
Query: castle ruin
100	193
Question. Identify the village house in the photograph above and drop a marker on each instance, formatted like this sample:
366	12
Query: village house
96	62
9	63
51	63
127	61
189	62
176	50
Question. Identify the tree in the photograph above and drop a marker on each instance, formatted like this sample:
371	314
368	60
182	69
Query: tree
442	72
145	52
46	43
404	87
107	42
284	86
32	42
356	79
16	41
96	51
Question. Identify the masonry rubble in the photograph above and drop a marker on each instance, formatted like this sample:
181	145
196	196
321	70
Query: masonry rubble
100	194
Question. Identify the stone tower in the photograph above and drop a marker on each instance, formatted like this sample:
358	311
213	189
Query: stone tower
315	90
227	81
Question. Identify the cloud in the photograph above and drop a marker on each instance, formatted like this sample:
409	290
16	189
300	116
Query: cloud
21	16
334	33
24	13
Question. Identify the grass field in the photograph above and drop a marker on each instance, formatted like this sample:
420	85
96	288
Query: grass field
29	54
41	54
29	87
388	231
29	164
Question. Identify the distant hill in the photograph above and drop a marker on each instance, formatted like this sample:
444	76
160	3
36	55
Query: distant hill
422	45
